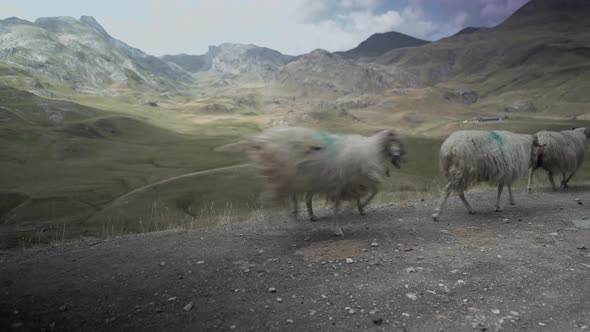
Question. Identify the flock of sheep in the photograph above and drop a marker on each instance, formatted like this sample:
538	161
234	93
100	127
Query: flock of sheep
305	162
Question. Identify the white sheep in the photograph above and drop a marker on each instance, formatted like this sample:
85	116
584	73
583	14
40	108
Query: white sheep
299	161
469	157
563	153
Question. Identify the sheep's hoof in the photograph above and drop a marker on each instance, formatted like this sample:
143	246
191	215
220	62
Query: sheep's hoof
338	232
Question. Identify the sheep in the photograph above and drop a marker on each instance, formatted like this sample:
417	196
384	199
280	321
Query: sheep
397	157
468	157
300	161
563	153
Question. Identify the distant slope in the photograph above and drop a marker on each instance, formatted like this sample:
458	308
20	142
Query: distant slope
82	55
381	43
543	48
233	59
321	72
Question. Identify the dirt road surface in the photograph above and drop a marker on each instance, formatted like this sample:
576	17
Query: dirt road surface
527	268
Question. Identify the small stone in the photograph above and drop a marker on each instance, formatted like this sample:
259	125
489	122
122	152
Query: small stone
63	308
410	269
272	289
233	327
200	262
162	263
406	248
514	313
542	324
279	299
420	258
290	321
188	306
412	296
582	247
554	234
351	311
584	218
495	311
454	271
17	325
374	244
378	321
349	261
372	312
312	312
460	282
172	299
405	314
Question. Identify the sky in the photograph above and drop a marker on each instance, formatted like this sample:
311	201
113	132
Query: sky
294	27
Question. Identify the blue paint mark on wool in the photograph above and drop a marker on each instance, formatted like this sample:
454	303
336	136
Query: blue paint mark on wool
331	143
498	138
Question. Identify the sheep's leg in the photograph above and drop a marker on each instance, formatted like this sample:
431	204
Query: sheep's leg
465	202
550	176
500	187
565	181
335	228
529	186
361	206
510	197
444	196
295	209
308	200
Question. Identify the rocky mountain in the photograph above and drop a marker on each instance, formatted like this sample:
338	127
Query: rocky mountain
235	59
544	47
81	54
321	72
381	43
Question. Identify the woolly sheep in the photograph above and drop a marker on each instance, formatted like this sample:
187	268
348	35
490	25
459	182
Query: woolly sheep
300	161
469	157
563	153
397	157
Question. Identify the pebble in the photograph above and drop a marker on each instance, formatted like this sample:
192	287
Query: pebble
410	269
162	263
280	300
312	312
374	244
349	261
351	311
200	262
420	258
584	218
272	289
378	321
412	296
188	306
233	327
290	321
514	313
172	299
554	234
495	311
454	271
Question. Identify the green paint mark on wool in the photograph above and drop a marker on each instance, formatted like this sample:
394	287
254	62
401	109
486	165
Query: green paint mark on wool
497	137
331	143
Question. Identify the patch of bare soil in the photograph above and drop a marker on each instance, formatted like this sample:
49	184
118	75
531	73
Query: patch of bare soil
524	269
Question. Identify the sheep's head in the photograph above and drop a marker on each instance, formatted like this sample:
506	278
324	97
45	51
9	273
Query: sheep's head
585	130
394	147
